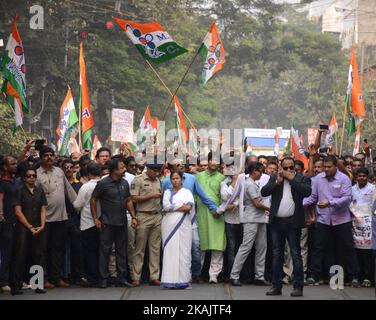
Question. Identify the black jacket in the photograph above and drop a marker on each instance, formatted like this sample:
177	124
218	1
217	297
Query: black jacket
300	188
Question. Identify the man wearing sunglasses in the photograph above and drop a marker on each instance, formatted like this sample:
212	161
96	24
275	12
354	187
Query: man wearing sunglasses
286	219
55	186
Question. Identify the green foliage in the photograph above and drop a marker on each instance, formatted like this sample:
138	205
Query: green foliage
279	66
12	140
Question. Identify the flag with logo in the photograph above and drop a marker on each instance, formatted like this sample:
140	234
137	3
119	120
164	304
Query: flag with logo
151	40
13	69
84	105
212	54
333	128
183	134
68	119
354	99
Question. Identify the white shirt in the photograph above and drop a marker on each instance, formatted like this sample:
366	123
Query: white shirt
287	205
82	203
266	201
231	216
361	196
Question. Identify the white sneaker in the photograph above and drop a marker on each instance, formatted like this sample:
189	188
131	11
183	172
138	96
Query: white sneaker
6	289
26	286
213	280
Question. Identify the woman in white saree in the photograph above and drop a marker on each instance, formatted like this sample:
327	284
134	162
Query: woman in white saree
177	235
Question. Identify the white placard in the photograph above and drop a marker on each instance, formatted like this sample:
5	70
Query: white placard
122	125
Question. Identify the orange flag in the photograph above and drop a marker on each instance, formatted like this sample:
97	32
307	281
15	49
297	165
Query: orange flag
357	103
84	104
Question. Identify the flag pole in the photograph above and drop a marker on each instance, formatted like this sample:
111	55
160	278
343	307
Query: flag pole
169	91
79	129
180	83
343	128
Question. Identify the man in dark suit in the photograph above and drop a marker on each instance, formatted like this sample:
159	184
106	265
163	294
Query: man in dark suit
287	188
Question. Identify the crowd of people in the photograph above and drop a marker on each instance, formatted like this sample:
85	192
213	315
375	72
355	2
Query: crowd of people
113	221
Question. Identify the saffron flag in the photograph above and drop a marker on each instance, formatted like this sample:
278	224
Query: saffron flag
148	126
13	69
333	128
212	54
180	123
151	40
354	98
84	104
297	148
68	118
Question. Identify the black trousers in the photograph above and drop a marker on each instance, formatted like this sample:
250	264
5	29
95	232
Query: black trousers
6	251
109	235
55	249
75	248
366	264
25	244
343	234
90	248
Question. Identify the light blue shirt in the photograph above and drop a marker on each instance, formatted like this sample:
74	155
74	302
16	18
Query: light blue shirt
190	182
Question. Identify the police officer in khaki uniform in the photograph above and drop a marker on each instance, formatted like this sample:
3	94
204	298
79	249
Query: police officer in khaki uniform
146	192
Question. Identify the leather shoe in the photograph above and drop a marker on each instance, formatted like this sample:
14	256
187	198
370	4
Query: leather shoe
48	285
61	284
155	282
274	291
236	283
197	279
82	282
41	291
102	284
260	282
297	292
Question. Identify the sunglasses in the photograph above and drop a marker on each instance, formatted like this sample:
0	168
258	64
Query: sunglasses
31	176
68	168
290	167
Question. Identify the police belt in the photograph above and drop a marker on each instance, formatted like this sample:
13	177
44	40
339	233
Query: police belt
150	212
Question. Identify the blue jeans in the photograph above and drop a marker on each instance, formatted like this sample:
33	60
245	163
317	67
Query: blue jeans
282	229
196	252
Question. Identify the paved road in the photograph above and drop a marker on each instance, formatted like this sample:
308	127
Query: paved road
220	291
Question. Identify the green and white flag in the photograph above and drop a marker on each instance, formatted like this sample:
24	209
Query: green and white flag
13	69
68	118
212	54
151	40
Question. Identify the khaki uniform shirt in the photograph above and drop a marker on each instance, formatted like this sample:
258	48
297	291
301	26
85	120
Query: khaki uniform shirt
142	186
